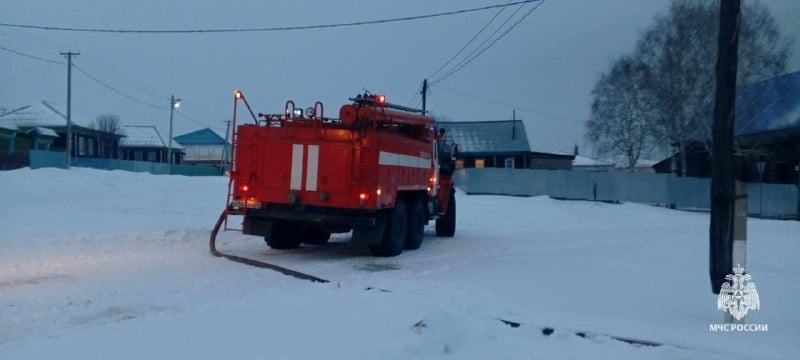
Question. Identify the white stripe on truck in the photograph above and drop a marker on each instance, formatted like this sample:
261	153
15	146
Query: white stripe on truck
297	167
395	159
312	167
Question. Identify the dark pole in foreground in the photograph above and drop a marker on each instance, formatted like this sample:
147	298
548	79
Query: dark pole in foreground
723	174
424	96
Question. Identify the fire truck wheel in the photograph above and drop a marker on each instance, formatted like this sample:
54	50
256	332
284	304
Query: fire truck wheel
394	236
283	237
416	223
315	236
446	225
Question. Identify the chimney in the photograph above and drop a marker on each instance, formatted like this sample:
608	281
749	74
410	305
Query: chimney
576	150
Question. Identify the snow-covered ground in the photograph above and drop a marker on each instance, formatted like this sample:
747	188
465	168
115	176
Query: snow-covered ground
111	264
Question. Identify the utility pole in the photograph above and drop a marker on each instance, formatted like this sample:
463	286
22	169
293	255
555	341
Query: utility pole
173	104
69	55
225	146
424	95
513	124
723	174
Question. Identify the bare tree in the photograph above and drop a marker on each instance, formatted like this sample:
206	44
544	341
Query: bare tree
110	126
621	111
108	123
679	48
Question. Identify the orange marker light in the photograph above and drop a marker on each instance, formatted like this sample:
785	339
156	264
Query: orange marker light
381	99
245	188
237	94
363	196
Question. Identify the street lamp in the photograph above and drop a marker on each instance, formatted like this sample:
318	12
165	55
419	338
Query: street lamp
173	104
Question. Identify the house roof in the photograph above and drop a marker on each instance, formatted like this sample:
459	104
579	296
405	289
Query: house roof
42	131
10	127
41	114
587	161
768	105
144	136
488	137
200	137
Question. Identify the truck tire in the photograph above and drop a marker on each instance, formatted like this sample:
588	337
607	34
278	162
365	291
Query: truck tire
316	236
394	236
416	223
284	236
446	225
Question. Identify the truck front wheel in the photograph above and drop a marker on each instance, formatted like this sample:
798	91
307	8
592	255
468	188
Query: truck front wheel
446	225
394	236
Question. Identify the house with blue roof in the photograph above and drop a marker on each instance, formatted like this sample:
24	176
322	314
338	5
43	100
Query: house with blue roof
204	147
767	131
499	144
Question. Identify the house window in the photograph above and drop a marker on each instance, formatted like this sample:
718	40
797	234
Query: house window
509	163
101	148
151	156
137	156
81	145
479	163
90	149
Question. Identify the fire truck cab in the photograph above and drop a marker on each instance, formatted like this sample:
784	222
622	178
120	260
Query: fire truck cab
380	170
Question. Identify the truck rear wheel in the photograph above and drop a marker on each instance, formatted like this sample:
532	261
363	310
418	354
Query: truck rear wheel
394	236
284	236
446	225
316	236
416	223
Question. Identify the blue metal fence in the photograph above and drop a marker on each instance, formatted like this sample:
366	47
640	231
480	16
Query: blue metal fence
40	159
779	200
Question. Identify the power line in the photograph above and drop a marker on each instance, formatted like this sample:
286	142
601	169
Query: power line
102	83
129	84
481	45
507	105
436	105
467	62
84	72
32	56
266	29
118	92
413	103
467	44
187	117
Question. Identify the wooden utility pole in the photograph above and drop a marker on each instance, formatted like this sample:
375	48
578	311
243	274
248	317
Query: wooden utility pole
424	96
69	55
723	169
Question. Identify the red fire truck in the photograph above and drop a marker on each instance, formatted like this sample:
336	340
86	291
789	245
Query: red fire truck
379	170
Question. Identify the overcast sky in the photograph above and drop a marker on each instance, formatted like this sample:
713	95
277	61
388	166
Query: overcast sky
548	64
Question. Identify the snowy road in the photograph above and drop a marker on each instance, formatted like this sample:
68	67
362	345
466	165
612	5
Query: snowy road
115	265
